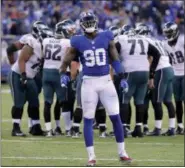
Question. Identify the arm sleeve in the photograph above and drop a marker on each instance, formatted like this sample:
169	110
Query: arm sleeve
153	51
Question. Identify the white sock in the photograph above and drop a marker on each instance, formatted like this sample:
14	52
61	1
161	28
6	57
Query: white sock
30	123
140	124
16	121
76	124
34	122
57	123
121	149
91	154
158	124
171	123
180	125
145	125
67	119
48	126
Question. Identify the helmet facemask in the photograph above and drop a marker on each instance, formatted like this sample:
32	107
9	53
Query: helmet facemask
89	24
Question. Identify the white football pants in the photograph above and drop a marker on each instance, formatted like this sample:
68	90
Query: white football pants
95	88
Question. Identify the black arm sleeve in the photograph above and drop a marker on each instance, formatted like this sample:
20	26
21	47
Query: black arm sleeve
154	52
11	49
118	47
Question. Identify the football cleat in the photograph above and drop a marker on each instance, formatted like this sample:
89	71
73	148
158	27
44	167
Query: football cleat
57	131
103	135
137	132
68	133
18	132
37	130
180	131
76	135
145	130
155	132
125	159
91	163
49	133
111	134
169	132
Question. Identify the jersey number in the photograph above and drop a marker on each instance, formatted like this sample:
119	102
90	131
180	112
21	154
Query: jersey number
179	56
97	57
133	46
52	51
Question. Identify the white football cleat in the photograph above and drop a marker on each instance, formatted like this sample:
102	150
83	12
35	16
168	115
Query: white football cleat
91	163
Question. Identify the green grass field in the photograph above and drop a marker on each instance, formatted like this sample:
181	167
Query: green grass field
63	151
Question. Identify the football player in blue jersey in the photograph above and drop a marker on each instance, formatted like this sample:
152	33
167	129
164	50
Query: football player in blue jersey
96	50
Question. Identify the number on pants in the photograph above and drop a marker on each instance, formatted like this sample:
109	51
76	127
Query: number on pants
97	57
48	54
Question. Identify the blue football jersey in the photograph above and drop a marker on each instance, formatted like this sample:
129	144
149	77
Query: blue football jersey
93	53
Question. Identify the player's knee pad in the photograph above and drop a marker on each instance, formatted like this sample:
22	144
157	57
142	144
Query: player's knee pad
158	111
171	109
16	112
77	115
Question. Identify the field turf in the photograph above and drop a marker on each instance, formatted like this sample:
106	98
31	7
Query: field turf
64	151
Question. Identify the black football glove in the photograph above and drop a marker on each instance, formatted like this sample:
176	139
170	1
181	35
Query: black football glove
23	79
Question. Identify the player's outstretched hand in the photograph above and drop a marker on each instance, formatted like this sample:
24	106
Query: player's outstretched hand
124	85
64	80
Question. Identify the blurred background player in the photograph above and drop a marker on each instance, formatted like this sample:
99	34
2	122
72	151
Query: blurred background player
94	59
134	51
161	85
175	47
54	49
22	83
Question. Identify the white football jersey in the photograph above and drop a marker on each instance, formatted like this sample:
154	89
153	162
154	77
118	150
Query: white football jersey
54	51
133	53
164	60
176	53
32	65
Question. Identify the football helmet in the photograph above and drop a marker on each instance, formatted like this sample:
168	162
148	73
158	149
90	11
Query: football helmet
65	29
142	29
46	32
115	30
88	22
170	31
37	27
127	30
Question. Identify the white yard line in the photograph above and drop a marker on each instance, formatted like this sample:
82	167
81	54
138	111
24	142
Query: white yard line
50	140
69	158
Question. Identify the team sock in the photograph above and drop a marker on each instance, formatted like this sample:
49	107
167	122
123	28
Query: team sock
119	134
48	126
171	123
57	122
88	137
158	124
67	120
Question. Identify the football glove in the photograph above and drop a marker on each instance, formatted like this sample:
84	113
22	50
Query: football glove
124	85
64	80
23	79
